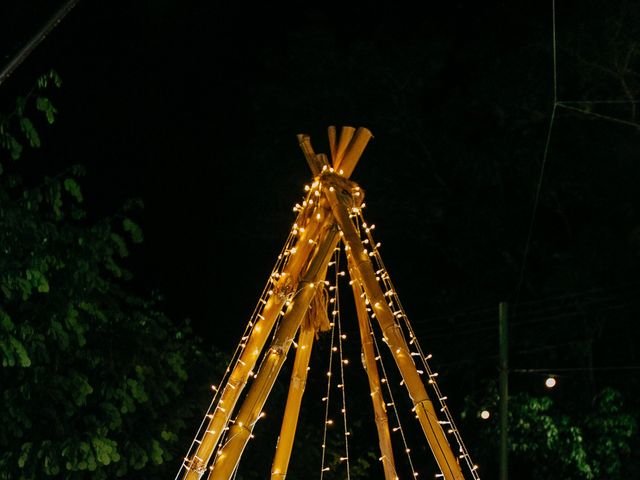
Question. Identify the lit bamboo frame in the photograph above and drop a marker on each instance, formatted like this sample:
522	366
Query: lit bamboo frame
371	367
303	272
423	406
294	399
231	392
251	409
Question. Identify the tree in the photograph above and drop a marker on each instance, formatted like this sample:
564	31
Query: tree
588	440
93	376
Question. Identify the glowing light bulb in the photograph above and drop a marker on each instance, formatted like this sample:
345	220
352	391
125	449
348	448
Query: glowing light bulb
485	414
550	382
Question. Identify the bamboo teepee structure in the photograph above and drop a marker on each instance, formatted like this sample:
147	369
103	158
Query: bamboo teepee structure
294	302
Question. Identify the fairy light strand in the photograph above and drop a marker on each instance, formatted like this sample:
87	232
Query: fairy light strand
327	396
392	401
343	362
400	314
281	261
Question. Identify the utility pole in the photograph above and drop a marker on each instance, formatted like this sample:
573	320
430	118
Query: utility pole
504	390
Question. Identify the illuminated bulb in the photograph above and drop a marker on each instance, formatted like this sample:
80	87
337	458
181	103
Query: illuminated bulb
550	382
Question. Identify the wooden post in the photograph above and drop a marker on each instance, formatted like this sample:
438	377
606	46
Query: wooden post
423	406
379	407
504	391
251	409
294	399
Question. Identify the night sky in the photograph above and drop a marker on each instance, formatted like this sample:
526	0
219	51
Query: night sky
163	101
194	107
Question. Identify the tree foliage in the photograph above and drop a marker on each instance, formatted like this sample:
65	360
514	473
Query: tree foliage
92	373
548	439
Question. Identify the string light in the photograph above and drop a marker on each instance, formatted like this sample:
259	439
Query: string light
327	397
399	313
253	325
343	362
392	403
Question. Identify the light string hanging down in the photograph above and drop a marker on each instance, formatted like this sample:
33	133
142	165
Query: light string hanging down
332	349
392	403
188	461
398	310
330	211
342	337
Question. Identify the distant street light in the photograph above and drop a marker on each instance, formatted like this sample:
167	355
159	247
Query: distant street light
485	414
550	382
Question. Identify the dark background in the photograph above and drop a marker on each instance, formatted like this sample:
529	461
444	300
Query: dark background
194	107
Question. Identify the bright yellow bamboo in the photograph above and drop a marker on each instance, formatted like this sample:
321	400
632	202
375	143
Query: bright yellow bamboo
314	163
231	391
354	150
379	407
346	134
294	399
252	405
331	131
391	330
254	345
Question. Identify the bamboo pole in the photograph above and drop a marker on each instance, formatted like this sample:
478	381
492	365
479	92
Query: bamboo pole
354	150
331	132
251	409
423	406
379	407
196	464
294	399
254	345
315	164
346	134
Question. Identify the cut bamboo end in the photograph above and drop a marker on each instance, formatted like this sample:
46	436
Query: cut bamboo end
346	134
309	154
354	151
332	143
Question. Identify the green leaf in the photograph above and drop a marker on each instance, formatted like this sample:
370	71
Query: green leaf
133	228
18	348
15	147
71	186
44	105
24	454
30	132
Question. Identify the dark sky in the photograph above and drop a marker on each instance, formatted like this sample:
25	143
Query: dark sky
194	107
